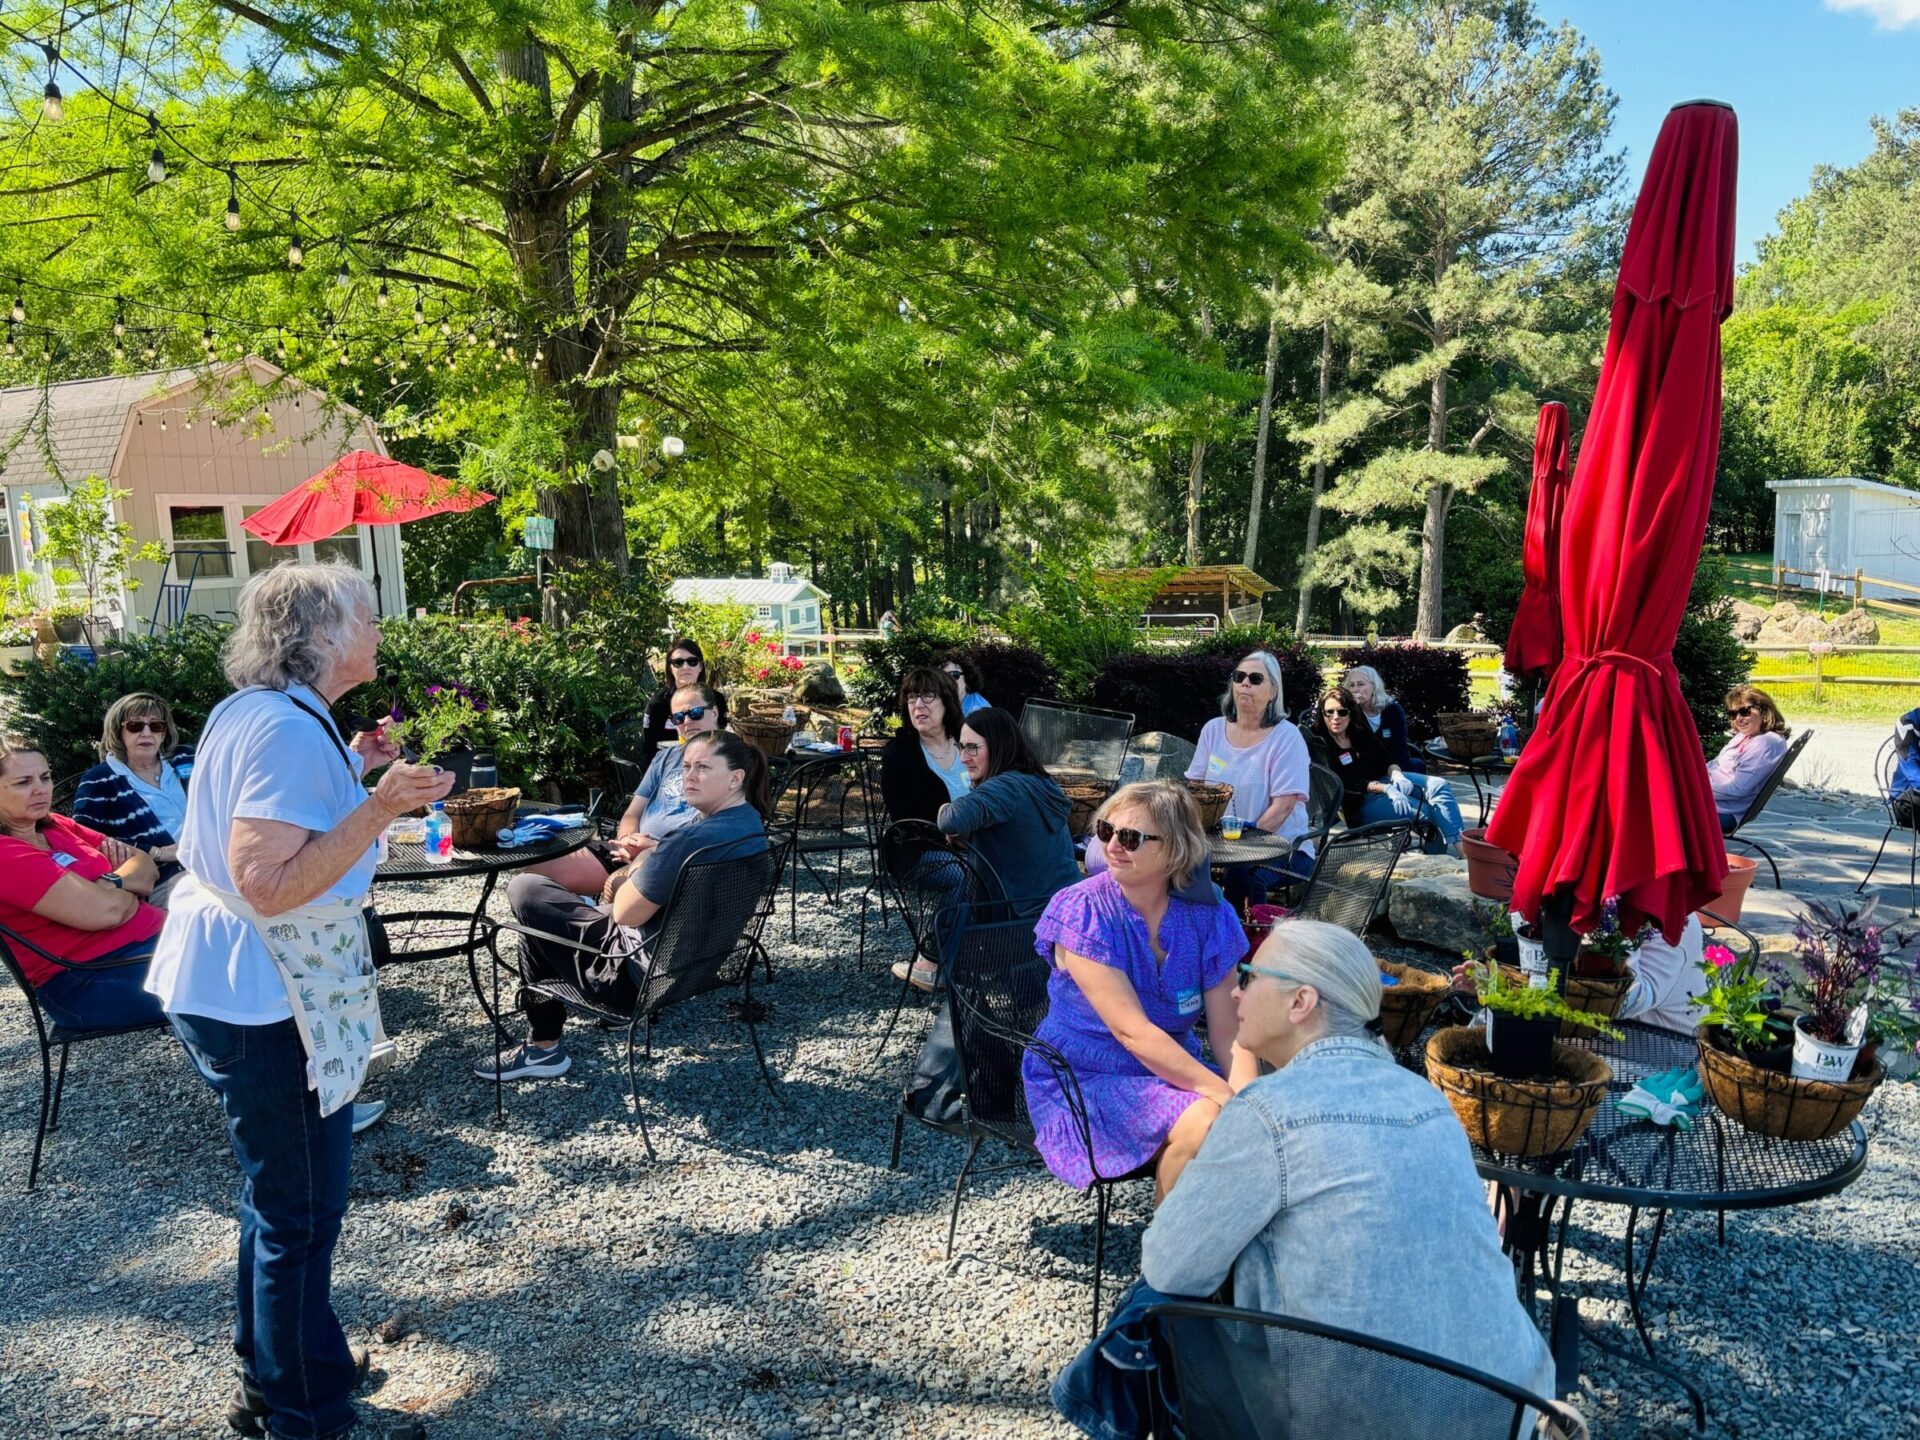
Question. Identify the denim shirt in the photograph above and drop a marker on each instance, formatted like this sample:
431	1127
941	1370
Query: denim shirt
1342	1189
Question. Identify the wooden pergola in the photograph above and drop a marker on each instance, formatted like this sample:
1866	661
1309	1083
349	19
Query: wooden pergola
1231	594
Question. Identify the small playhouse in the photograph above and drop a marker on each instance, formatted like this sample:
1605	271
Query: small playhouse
784	600
197	451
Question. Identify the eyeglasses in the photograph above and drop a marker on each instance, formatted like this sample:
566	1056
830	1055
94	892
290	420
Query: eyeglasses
1744	711
1248	677
680	717
1130	840
682	661
971	747
1333	711
1247	972
926	695
144	727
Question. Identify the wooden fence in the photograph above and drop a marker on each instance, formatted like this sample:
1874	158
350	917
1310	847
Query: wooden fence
1839	583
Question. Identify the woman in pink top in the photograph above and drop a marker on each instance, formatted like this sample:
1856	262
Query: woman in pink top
1759	740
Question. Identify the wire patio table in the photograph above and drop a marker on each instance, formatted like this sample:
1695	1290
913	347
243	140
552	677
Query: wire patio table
1254	847
454	932
1718	1165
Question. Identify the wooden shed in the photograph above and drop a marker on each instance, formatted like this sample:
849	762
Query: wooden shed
199	450
1206	596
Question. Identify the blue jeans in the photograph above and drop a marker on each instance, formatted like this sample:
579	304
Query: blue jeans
102	996
1245	885
293	1195
1439	806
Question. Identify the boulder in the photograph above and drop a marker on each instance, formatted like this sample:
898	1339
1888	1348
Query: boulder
1464	635
1428	903
1783	610
1800	629
820	686
1748	620
1856	627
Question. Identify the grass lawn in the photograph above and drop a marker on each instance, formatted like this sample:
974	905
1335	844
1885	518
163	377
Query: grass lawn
1899	625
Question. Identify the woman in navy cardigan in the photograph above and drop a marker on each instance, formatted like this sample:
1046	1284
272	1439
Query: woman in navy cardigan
138	793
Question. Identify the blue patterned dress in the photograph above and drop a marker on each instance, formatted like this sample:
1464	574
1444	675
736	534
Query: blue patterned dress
1130	1109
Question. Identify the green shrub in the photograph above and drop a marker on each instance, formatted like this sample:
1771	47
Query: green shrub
60	707
1079	622
1426	680
1010	675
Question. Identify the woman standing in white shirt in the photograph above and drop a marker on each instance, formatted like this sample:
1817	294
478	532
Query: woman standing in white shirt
278	847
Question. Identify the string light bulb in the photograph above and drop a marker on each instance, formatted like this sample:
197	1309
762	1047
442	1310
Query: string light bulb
672	447
12	348
206	335
296	253
382	298
157	166
119	318
53	108
19	308
280	346
343	277
233	201
419	311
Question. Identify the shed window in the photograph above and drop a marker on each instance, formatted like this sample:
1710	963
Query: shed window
200	527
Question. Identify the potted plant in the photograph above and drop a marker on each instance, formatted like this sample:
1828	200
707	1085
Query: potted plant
441	729
1847	962
16	643
1601	977
1523	1020
1490	870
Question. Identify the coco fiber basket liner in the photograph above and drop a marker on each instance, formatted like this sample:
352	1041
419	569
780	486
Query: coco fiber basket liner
1408	1004
1770	1103
1468	734
768	734
477	817
1516	1117
1213	800
1087	797
1595	996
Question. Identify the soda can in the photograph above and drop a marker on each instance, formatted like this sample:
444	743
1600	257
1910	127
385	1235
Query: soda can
846	737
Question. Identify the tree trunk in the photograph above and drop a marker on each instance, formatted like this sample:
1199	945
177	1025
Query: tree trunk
1252	550
1433	530
1305	608
1196	477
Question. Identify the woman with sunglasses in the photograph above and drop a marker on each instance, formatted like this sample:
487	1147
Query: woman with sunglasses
1135	969
1253	747
658	808
1743	765
966	680
920	768
1376	789
1015	815
686	665
137	794
1298	1175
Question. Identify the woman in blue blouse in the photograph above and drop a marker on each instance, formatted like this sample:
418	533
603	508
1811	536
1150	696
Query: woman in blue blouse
1135	969
137	794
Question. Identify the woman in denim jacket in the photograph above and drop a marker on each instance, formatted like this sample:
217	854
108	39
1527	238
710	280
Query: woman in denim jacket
1339	1188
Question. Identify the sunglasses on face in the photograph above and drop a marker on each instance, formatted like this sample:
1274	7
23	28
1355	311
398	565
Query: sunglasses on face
1247	677
954	674
680	717
145	727
1335	711
681	661
1744	711
1128	840
1247	972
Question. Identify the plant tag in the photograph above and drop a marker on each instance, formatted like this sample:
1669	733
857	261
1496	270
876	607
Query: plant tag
1857	1025
1533	961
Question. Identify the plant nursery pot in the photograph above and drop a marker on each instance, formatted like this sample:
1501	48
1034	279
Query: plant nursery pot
1490	870
71	629
1817	1059
14	658
1518	1048
1740	871
460	762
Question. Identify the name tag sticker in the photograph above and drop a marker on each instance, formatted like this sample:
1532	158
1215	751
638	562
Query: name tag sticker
62	859
1346	757
1188	1001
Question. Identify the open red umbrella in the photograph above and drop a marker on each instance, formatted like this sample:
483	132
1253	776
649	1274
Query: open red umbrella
1533	642
360	488
1611	795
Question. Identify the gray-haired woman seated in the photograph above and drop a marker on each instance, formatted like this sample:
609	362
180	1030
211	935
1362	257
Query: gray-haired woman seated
1337	1188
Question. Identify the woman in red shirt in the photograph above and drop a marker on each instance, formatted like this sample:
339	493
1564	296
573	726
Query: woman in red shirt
76	894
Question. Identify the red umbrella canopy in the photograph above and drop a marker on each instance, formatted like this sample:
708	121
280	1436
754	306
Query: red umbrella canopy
1611	795
1533	643
360	488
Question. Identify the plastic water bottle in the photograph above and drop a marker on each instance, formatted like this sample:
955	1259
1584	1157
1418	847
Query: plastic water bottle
1509	737
787	717
437	844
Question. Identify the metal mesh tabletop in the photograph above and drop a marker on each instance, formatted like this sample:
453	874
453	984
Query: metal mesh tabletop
1717	1165
406	860
1252	848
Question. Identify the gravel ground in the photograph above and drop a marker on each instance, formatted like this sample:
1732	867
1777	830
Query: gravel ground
768	1275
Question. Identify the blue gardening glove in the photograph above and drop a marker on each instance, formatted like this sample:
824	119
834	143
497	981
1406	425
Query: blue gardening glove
1671	1097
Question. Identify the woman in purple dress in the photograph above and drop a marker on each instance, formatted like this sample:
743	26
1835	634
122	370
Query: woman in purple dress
1134	969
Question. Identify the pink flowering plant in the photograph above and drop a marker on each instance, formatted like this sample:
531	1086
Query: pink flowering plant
764	660
1739	1001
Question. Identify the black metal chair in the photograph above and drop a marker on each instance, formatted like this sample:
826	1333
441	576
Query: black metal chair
51	1033
1077	740
1325	795
830	805
998	987
1731	829
1351	872
1231	1374
709	939
623	751
924	871
1900	816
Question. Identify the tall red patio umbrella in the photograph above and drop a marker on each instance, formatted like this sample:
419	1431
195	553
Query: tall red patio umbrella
1533	642
1611	795
360	488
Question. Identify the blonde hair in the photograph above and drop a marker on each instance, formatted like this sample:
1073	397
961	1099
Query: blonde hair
1336	963
1175	818
137	706
1770	716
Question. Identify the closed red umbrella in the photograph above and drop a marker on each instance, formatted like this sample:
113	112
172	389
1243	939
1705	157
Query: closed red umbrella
360	488
1533	642
1611	795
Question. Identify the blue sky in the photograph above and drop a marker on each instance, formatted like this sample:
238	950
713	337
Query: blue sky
1804	76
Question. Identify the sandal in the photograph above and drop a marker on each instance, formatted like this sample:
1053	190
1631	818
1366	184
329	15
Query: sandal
922	974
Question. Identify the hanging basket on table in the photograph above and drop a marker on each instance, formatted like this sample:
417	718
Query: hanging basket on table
1408	1004
1469	734
769	734
1596	995
1516	1117
1213	800
1774	1104
477	817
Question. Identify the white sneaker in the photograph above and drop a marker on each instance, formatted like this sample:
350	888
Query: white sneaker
367	1113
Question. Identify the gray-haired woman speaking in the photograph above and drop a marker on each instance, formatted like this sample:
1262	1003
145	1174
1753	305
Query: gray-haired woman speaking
264	970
